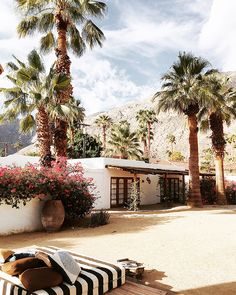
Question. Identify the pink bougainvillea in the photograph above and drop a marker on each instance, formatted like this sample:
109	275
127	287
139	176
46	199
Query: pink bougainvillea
62	181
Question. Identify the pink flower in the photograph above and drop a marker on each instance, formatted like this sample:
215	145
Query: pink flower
13	190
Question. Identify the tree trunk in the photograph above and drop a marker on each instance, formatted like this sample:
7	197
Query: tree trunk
194	181
218	144
62	67
149	138
220	186
43	136
104	137
145	148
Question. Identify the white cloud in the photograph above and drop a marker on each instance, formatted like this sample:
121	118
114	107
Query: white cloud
147	32
100	85
217	38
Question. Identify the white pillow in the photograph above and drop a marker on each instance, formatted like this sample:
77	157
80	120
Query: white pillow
63	262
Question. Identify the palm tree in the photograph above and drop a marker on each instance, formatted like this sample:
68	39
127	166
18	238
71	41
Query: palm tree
123	143
32	91
142	134
219	109
172	140
17	145
74	30
180	92
103	121
75	122
147	117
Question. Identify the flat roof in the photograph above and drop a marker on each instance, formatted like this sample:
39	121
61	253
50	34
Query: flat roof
142	170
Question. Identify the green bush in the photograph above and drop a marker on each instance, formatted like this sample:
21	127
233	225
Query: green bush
208	191
99	218
230	192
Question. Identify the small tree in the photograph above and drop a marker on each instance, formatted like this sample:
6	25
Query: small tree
84	146
176	156
207	160
171	139
134	197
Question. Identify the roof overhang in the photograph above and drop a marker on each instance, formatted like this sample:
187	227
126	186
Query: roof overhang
141	170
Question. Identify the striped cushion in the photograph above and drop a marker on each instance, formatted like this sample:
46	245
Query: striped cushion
96	278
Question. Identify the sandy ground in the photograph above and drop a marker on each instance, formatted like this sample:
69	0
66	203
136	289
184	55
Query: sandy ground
190	251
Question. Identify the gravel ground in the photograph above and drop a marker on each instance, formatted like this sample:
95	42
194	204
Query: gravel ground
184	250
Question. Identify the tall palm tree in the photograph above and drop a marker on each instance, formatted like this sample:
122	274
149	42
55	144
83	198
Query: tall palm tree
147	117
74	30
123	143
219	109
34	91
142	134
180	92
103	121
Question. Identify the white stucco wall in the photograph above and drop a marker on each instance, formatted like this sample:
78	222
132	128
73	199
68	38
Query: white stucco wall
149	189
25	219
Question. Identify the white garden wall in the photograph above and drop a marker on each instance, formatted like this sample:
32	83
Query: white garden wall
25	219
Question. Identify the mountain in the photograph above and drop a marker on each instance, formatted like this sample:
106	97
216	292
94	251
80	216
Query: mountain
168	123
9	135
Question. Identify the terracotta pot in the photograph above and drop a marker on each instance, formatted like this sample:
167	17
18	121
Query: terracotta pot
53	215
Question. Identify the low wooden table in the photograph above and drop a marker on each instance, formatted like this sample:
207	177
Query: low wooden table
132	267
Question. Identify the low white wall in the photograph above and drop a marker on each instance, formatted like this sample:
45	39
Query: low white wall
25	219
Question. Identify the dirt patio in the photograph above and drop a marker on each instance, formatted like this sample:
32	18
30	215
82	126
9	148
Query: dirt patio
184	250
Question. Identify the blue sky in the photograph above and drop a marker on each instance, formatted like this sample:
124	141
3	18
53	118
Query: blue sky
143	38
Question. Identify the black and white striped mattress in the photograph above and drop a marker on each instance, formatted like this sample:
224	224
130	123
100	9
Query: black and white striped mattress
96	278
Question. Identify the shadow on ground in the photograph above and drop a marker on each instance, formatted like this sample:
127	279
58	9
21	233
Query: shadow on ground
221	289
152	278
121	224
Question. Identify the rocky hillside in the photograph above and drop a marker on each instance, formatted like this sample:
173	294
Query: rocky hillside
9	133
170	123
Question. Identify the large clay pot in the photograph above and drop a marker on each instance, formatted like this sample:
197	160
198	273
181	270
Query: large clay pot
53	215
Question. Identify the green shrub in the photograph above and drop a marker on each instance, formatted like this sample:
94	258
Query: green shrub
230	192
208	191
99	218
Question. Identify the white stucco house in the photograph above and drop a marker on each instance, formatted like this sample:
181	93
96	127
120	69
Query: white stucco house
113	179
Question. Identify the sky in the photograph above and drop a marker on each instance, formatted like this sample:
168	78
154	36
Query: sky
143	39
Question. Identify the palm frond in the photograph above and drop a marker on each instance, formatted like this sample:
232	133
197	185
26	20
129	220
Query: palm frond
47	42
46	22
27	123
76	41
27	26
35	61
94	8
92	34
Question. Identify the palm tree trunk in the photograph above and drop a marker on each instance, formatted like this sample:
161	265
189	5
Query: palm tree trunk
218	144
220	186
104	137
145	148
62	66
194	181
149	138
43	136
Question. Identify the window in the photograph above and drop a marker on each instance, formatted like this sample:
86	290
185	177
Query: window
120	190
